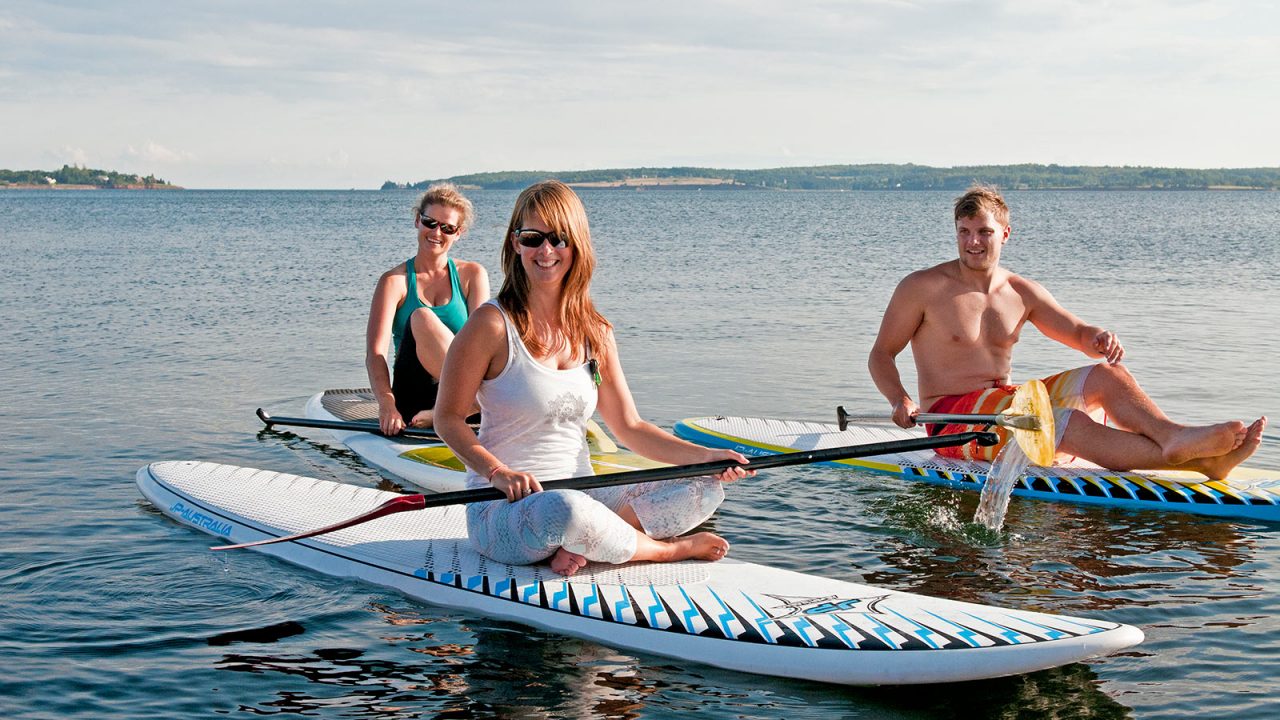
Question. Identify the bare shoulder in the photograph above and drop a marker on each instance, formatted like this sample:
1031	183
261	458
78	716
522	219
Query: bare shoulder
487	320
488	314
1029	289
610	340
470	269
395	274
392	285
929	279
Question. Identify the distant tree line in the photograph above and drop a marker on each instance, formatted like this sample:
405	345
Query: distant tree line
76	175
904	177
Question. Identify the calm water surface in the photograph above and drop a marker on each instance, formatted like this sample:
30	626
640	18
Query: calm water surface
148	326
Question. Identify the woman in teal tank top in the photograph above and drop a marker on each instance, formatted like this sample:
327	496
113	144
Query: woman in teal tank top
418	306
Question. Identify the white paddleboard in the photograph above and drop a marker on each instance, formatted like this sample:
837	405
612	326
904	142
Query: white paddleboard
1248	493
429	464
729	614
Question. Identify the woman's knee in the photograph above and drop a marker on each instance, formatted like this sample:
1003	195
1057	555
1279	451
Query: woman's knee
678	507
426	324
567	509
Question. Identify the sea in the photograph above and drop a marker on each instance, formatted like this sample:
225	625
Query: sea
146	326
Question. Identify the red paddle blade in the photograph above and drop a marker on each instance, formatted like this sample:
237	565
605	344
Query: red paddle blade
395	505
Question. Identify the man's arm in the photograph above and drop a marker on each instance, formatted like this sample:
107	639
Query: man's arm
901	320
1058	323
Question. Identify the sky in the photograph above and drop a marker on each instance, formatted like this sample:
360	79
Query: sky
323	94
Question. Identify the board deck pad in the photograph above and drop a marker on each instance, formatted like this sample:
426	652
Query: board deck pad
352	405
427	463
1248	493
730	614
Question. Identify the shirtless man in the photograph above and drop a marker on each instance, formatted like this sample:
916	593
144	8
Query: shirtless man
962	319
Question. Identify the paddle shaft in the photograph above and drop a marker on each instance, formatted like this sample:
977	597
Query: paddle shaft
352	426
761	462
421	502
1013	421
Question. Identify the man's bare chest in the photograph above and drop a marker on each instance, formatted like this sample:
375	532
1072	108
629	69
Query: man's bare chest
977	320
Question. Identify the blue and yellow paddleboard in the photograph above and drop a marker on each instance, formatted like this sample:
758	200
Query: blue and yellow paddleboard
1248	493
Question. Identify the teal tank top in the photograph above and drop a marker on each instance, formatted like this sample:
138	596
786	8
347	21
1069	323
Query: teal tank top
453	313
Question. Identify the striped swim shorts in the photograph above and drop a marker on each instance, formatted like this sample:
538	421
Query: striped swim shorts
1066	393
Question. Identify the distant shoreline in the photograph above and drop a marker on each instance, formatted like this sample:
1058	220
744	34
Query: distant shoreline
882	177
76	177
643	182
89	187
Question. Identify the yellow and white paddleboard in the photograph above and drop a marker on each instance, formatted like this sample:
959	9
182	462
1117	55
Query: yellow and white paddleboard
430	464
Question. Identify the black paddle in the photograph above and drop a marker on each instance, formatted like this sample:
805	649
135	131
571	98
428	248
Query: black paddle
421	502
354	426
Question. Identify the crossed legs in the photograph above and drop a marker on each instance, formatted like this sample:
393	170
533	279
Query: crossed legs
671	507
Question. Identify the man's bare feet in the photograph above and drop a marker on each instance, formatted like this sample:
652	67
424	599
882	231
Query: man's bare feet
567	563
1203	441
424	419
1218	468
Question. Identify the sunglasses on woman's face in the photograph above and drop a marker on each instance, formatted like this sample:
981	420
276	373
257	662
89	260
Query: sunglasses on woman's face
534	239
431	223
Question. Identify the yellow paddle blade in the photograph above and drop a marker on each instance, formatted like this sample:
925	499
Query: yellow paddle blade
1032	398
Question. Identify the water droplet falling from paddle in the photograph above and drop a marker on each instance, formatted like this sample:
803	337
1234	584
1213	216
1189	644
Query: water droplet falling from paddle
1008	467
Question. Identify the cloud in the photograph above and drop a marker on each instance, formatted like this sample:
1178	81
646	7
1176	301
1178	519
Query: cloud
155	153
334	94
67	155
338	159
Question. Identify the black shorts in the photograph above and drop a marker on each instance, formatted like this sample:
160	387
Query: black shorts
413	386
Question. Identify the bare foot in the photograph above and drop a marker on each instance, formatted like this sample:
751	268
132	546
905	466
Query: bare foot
424	419
1218	468
1203	441
699	546
567	563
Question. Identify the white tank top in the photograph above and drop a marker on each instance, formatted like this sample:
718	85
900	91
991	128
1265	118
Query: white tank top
534	418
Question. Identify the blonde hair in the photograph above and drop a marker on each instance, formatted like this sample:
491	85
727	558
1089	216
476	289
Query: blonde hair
448	195
561	209
979	198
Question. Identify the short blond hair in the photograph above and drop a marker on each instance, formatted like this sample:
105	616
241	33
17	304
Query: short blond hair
448	195
979	198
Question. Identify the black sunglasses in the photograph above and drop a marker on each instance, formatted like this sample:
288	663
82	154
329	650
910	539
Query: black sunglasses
535	238
431	223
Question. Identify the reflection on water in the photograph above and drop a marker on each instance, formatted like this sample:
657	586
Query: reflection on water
268	634
508	670
503	670
1072	691
351	469
1083	560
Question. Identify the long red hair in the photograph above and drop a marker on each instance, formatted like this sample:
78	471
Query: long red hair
561	209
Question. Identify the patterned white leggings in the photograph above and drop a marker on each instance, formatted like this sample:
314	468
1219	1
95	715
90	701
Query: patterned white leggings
587	522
